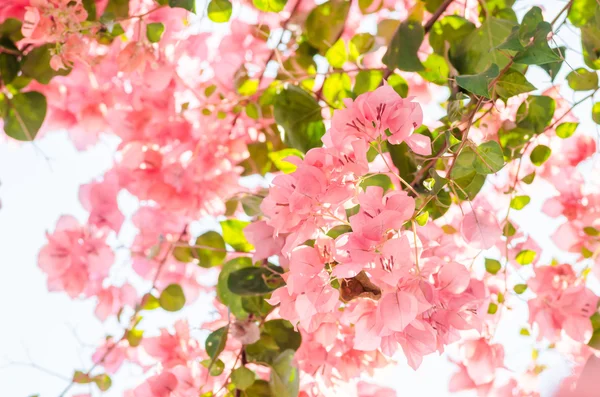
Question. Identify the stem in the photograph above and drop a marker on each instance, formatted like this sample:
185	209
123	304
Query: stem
566	7
436	15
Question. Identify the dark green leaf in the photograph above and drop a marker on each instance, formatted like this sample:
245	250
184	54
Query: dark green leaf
492	266
479	83
490	158
402	51
25	115
325	23
538	52
285	377
215	343
477	51
172	298
256	305
582	79
276	336
529	25
36	64
154	31
512	83
360	44
254	281
233	234
299	114
189	5
565	130
404	160
535	113
553	68
540	154
90	8
380	180
11	29
232	301
269	5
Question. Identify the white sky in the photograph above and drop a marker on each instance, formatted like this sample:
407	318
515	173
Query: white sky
39	183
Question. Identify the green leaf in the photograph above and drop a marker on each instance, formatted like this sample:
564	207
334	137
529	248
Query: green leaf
520	288
276	336
538	52
214	253
422	218
337	55
535	113
269	5
25	115
250	281
490	159
260	388
525	257
336	87
451	29
540	154
36	64
402	51
509	230
512	83
154	31
479	83
90	8
215	343
285	377
251	204
380	180
360	44
477	51
591	231
172	298
590	41
337	231
581	12
233	234
492	308
399	84
117	9
367	80
529	25
565	130
189	5
553	68
9	64
215	368
404	160
519	202
103	382
325	23
436	70
256	305
150	302
299	114
492	266
596	112
528	179
242	378
582	79
11	29
134	337
232	301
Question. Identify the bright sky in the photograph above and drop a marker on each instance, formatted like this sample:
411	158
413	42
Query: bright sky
39	183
